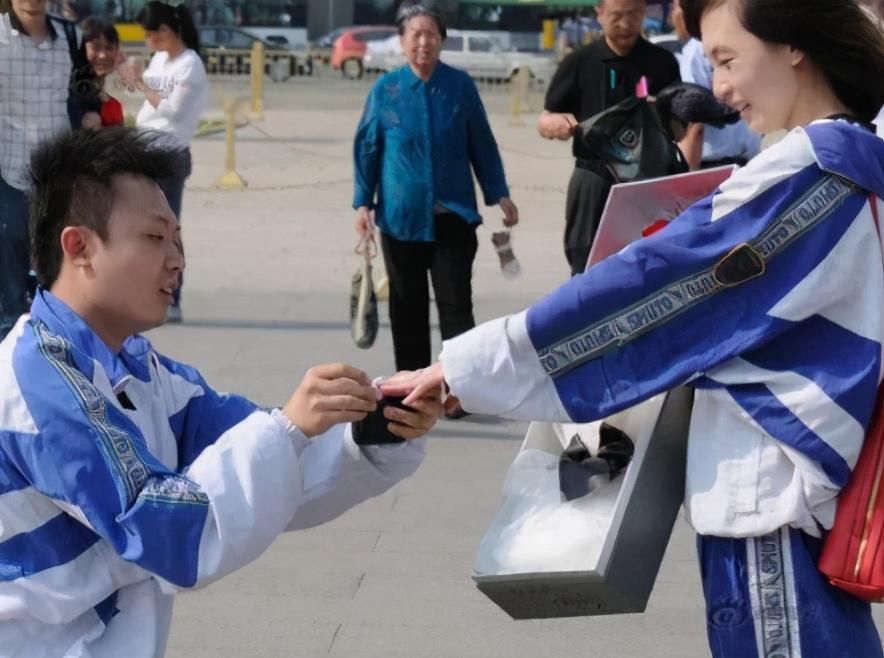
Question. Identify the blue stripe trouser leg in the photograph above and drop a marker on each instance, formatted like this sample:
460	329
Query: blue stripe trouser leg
765	598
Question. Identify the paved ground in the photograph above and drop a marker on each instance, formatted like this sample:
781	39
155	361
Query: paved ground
265	298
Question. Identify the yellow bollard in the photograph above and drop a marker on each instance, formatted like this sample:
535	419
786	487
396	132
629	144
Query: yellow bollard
257	74
519	95
548	41
231	180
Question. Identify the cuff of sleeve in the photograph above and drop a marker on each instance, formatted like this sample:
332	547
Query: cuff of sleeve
493	197
362	199
299	439
386	453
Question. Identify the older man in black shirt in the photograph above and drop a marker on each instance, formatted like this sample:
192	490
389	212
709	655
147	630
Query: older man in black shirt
589	80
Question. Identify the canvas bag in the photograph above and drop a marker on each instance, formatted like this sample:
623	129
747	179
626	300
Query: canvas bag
363	301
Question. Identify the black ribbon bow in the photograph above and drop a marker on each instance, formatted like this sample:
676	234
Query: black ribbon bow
580	473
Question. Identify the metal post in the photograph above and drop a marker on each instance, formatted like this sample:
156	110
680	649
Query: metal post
519	96
231	180
257	75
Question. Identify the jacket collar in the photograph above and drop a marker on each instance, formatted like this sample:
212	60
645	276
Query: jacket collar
849	150
131	361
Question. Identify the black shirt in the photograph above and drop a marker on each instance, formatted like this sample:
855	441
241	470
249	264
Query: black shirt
593	78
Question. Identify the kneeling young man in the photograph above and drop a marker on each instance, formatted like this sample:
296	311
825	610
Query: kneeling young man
123	476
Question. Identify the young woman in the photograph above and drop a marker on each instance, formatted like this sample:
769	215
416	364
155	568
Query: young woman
101	49
176	91
766	298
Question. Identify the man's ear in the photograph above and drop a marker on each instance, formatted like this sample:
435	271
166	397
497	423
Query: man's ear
797	56
77	245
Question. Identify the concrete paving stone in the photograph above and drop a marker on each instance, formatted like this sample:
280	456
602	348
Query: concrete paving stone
598	640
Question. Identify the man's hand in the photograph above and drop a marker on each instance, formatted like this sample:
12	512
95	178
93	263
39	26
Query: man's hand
691	145
415	385
329	395
552	125
364	221
510	212
414	424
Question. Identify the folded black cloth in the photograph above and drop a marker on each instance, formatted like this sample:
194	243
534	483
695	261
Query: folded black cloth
690	103
580	473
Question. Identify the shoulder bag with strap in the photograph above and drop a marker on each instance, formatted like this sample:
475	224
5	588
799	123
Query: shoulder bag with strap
853	551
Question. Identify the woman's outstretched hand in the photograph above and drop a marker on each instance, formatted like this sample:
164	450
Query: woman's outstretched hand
415	384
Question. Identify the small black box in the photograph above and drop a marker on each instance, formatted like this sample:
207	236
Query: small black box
372	430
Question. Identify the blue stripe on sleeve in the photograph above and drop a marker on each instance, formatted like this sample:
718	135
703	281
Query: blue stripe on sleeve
90	455
10	477
205	417
843	364
630	327
56	542
777	420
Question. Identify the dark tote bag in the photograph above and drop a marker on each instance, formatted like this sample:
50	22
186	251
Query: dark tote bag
630	143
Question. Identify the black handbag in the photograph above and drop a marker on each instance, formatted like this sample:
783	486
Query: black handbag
630	142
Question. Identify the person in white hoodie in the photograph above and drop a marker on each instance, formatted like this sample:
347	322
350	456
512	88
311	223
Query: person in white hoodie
176	93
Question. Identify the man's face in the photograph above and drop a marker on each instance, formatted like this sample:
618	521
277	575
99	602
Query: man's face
29	9
622	22
134	271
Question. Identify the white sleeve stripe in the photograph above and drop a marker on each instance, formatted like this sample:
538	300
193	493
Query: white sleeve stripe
764	171
25	510
803	398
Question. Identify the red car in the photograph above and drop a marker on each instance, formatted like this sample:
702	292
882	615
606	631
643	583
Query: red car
348	49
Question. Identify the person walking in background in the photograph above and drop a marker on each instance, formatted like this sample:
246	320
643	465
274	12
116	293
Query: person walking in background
733	144
176	93
423	126
588	81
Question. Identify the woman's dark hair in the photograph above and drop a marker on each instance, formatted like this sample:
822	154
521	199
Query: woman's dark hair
85	84
836	35
72	184
94	28
178	19
414	8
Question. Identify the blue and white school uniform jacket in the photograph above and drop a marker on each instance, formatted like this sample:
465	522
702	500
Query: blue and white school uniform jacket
785	365
124	478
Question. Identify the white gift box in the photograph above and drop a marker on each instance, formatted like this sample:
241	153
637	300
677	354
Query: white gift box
599	554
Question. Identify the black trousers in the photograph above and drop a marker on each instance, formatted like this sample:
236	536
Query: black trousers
449	261
587	195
